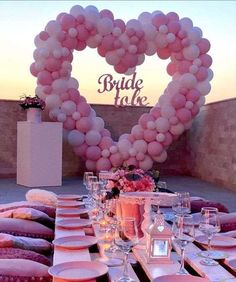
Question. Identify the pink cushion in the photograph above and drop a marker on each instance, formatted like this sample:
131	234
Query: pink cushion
23	270
198	204
27	228
15	253
50	211
30	214
228	222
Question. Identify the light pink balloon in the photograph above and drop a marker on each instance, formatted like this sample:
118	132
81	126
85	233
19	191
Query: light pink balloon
140	146
162	124
105	132
184	115
193	95
137	132
44	78
201	74
69	124
146	164
155	148
144	119
168	139
177	129
93	153
106	142
204	45
116	159
149	135
93	137
140	156
84	124
161	158
84	109
178	101
103	164
67	21
159	19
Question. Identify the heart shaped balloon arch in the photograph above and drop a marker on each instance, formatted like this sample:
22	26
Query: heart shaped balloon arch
123	46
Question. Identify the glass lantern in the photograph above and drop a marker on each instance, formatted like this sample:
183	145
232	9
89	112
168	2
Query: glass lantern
158	246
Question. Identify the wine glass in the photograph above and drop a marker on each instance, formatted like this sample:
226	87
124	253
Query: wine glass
182	203
209	225
103	176
126	237
184	232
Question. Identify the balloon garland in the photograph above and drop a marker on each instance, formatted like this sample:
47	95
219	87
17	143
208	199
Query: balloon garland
124	46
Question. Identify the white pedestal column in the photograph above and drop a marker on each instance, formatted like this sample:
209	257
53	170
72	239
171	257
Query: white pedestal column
39	154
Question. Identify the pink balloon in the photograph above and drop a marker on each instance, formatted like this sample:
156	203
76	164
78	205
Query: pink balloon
74	95
163	53
159	19
33	70
176	46
193	95
120	23
173	26
81	150
162	124
146	164
116	159
103	164
43	35
120	68
84	124
137	132
195	110
149	135
183	115
171	68
44	78
178	101
84	109
155	112
69	42
168	139
155	148
93	153
201	74
172	16
93	137
129	60
67	21
69	124
204	45
106	142
52	64
142	46
131	161
184	66
144	119
106	14
90	165
83	33
105	132
140	146
206	60
140	156
108	42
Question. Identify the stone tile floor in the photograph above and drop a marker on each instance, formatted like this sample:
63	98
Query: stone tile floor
10	191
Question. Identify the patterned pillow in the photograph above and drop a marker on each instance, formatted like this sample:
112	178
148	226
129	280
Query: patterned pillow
41	196
228	222
27	228
15	253
30	214
50	211
198	204
23	270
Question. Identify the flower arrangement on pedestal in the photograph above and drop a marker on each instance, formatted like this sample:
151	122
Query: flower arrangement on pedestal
27	102
131	179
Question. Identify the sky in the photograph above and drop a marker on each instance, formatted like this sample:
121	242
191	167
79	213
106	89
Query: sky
21	21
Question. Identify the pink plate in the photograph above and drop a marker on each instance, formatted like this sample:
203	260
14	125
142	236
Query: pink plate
75	242
75	223
232	263
179	278
69	204
66	197
78	270
71	212
218	241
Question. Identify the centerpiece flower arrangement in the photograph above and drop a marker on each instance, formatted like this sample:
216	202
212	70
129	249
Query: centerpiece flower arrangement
27	102
131	179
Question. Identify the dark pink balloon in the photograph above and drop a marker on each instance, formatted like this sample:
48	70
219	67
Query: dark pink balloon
84	124
69	43
184	115
83	33
134	39
155	148
80	19
106	142
84	109
131	138
105	132
82	99
81	150
43	35
52	64
47	89
69	123
65	96
130	31
155	112
144	119
201	74
163	53
93	153
142	46
59	16
159	19
193	95
149	135
90	165
64	73
182	33
89	25
67	21
178	101
195	110
184	66
101	51
55	75
172	16
120	68
206	60
61	36
108	42
44	78
81	45
106	14
103	164
204	45
121	24
117	44
116	159
175	46
171	68
173	27
168	139
139	33
74	95
129	60
185	42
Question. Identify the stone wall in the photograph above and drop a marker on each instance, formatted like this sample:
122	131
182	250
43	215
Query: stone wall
207	150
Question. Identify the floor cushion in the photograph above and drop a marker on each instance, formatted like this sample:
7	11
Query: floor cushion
23	270
228	222
15	253
49	210
42	196
27	228
197	205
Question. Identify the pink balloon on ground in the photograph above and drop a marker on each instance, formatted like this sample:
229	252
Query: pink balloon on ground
93	153
103	164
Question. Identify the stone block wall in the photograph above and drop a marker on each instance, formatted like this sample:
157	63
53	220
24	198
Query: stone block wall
206	151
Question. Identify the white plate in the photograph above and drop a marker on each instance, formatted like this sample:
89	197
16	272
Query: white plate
75	242
71	212
217	241
78	270
69	204
66	197
75	223
232	263
180	278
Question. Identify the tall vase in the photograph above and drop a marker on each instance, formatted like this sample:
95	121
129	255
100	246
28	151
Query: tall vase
34	115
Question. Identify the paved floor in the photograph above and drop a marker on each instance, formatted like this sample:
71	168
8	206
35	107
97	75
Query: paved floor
10	191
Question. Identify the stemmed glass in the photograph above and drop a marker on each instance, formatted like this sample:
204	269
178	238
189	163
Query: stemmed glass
209	225
184	232
182	203
126	237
